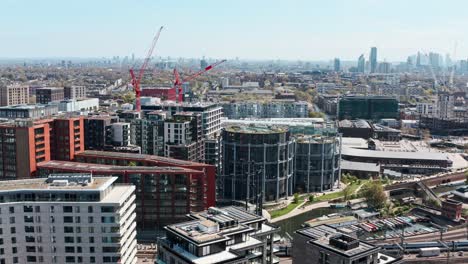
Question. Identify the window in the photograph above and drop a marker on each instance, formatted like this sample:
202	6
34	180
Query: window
29	229
30	249
13	230
69	249
206	250
30	239
68	209
91	249
90	219
12	220
107	209
27	209
70	259
12	210
91	239
31	259
68	229
90	229
92	259
68	219
69	239
90	209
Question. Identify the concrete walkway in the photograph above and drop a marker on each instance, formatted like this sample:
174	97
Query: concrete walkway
299	210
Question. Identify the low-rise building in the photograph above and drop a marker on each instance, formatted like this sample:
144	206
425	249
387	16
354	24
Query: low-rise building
28	111
219	235
15	94
83	105
325	244
49	94
452	209
75	92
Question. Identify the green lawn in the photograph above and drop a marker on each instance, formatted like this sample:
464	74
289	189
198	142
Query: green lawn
287	209
331	196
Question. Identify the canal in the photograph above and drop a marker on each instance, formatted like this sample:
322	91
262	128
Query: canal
294	223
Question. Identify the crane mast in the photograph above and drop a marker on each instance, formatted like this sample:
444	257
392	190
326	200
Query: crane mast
137	79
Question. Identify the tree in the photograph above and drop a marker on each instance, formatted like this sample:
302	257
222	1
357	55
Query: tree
374	194
296	198
347	193
316	115
129	97
311	198
132	164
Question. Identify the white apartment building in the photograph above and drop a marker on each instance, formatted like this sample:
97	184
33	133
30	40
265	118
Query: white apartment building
84	105
121	134
176	132
67	218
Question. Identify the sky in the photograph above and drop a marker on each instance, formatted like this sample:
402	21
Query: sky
247	29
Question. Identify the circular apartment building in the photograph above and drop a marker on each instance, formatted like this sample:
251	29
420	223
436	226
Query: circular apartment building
256	160
317	161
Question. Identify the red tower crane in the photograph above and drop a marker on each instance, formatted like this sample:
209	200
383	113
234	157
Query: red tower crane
178	82
136	80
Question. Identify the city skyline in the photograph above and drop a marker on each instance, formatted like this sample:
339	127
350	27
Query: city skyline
293	31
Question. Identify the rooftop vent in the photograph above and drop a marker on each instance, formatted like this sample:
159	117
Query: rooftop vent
344	242
59	183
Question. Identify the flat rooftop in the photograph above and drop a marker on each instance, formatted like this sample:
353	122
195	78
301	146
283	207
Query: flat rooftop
26	107
257	129
320	237
347	151
228	213
43	184
109	169
142	157
360	166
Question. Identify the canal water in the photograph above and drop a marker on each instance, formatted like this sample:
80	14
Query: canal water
294	223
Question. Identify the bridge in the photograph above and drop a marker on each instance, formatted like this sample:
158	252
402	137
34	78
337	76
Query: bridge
432	181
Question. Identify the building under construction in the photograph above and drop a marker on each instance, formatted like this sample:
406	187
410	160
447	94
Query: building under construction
445	126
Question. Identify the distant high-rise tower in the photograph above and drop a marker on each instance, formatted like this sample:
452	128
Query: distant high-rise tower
373	59
337	65
361	65
203	63
418	59
133	57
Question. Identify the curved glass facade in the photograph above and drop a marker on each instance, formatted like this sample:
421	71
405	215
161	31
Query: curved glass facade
316	164
257	159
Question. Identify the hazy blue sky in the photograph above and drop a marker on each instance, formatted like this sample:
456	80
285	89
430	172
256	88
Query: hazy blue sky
253	29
